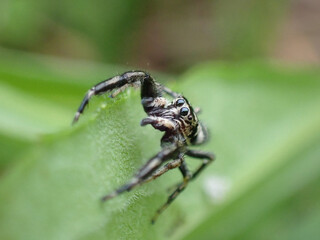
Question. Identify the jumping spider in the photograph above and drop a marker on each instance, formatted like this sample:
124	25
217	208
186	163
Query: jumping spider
177	119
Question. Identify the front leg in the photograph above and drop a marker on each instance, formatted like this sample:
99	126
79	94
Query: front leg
170	92
133	78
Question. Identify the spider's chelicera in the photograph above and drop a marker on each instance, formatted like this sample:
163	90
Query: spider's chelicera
176	118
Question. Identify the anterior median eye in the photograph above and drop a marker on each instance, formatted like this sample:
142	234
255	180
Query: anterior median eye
180	102
184	111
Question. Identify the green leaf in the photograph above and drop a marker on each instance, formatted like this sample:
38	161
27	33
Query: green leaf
265	131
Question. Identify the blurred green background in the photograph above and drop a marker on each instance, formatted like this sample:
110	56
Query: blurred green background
253	68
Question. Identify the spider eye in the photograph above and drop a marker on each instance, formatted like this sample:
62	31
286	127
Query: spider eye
190	117
184	111
180	102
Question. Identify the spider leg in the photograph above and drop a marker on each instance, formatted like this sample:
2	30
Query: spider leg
185	172
180	187
187	176
146	170
149	87
171	165
207	158
124	87
170	92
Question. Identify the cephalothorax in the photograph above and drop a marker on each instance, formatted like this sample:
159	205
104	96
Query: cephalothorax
176	118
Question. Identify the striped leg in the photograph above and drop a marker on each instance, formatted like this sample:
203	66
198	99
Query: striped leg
124	87
186	178
171	165
170	92
207	158
118	83
146	171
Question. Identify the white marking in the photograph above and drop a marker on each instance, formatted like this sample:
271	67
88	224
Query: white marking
90	93
111	81
129	74
76	117
134	181
200	137
132	74
154	163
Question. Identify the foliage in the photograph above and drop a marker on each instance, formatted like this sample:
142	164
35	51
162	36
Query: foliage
265	130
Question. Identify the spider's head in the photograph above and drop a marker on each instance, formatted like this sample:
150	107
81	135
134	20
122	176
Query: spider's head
184	111
177	118
188	122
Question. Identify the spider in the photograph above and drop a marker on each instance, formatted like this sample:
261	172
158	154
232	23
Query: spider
176	118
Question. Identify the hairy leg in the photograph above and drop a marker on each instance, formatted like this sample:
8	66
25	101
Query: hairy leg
187	176
146	171
179	188
206	157
170	165
118	83
170	92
